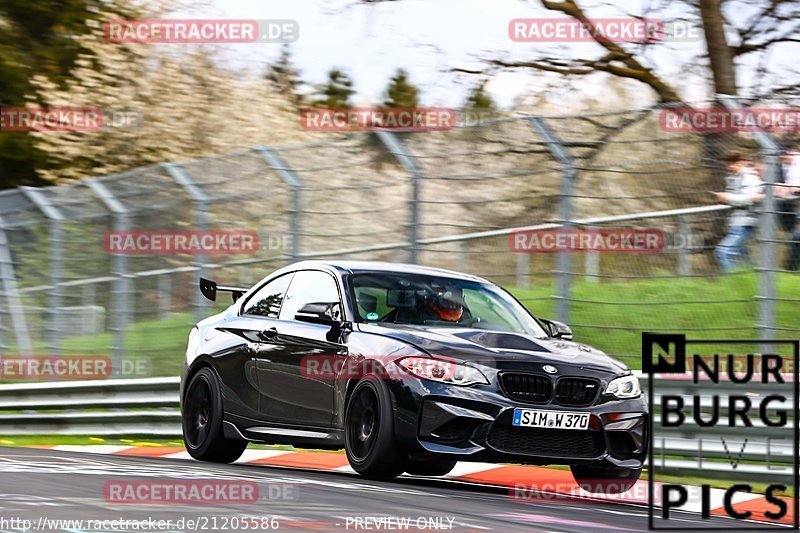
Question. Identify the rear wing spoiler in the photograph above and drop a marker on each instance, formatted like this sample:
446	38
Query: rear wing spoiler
210	289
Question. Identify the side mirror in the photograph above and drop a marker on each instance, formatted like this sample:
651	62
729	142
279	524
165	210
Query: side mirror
558	330
326	313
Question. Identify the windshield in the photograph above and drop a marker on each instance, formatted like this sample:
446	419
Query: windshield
415	299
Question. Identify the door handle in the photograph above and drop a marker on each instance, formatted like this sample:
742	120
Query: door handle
268	334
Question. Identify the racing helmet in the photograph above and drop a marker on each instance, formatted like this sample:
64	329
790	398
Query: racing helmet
445	305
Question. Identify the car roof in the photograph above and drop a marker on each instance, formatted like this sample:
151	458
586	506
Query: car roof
364	267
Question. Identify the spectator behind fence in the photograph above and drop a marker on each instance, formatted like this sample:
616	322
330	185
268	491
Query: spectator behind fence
791	188
743	189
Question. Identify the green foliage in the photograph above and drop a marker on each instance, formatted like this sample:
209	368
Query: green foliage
336	92
479	99
658	304
285	76
401	93
37	37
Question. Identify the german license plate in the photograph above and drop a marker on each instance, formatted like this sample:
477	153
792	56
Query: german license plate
535	418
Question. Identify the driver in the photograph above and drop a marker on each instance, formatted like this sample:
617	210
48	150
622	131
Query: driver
444	305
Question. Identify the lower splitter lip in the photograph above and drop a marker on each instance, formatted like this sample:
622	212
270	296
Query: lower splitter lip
473	430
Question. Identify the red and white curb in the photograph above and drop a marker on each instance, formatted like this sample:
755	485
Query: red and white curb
524	483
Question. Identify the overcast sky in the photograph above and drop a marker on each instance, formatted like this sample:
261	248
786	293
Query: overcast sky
428	37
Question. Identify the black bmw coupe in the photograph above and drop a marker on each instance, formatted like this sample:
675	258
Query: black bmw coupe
409	369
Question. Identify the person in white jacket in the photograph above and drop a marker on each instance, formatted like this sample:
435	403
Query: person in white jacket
743	190
790	190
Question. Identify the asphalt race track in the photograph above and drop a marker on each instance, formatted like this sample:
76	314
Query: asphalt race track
46	485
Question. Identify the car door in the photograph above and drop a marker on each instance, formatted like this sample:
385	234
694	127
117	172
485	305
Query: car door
239	370
290	394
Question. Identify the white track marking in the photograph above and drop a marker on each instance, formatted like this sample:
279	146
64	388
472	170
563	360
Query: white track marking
177	455
254	455
465	469
100	448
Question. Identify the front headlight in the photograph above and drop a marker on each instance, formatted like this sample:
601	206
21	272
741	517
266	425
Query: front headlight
624	387
443	371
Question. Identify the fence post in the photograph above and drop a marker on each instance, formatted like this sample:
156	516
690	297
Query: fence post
523	270
591	263
560	152
55	221
770	152
395	147
276	163
244	275
9	283
3	328
88	295
119	296
462	255
767	251
684	257
164	295
202	223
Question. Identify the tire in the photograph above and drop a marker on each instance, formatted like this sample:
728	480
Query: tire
369	432
439	467
605	480
202	421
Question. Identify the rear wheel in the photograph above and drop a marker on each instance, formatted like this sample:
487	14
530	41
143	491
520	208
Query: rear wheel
369	431
438	467
202	421
605	480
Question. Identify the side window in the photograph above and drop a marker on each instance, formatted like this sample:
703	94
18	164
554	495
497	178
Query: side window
309	286
371	300
268	299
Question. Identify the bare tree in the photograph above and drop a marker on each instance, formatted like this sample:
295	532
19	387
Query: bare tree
761	25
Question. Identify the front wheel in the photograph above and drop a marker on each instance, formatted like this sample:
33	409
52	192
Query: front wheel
605	480
369	431
202	421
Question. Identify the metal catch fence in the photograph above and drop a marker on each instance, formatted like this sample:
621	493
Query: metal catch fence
455	199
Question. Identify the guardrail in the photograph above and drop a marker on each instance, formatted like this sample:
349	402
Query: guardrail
149	407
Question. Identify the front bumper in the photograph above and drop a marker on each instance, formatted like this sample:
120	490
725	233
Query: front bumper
475	424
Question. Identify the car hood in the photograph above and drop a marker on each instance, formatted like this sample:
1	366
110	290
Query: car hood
496	348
